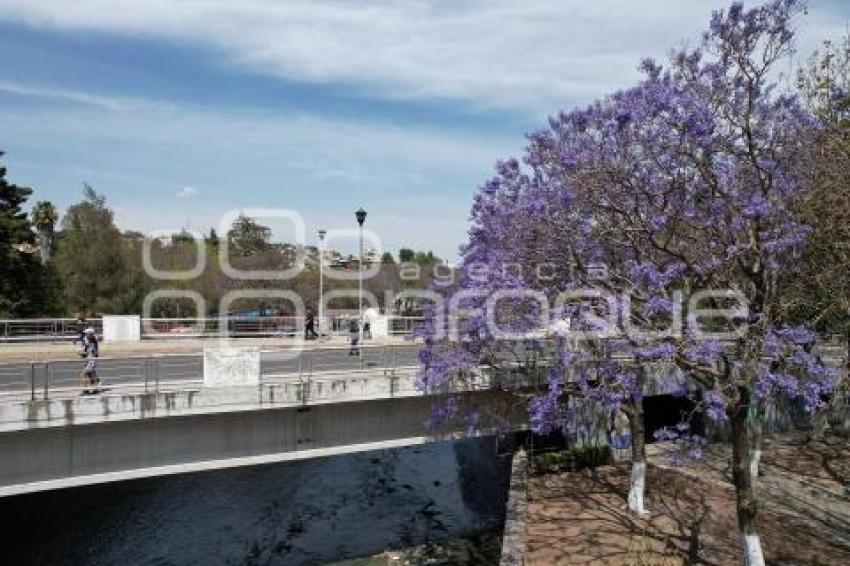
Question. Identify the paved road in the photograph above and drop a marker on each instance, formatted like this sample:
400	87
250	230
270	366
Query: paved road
15	377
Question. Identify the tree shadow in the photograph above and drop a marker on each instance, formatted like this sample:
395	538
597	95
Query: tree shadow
582	518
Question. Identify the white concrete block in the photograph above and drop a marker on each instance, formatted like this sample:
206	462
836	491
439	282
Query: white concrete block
231	367
122	328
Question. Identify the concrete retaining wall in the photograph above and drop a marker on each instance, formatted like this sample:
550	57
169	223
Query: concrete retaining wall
513	539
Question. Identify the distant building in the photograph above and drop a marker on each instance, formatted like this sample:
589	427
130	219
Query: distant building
336	260
26	248
371	257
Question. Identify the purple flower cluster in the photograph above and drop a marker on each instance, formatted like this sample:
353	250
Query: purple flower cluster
792	371
704	352
662	351
689	446
714	404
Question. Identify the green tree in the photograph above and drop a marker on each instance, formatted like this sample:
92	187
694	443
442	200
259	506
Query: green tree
425	258
22	284
247	237
183	237
387	258
406	255
99	269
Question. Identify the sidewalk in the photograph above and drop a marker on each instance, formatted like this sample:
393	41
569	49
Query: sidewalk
10	353
581	517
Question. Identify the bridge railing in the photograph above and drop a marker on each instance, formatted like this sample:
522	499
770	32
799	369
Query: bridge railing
42	329
168	372
45	379
65	329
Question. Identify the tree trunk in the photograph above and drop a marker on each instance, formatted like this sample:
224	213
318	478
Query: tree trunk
45	247
745	453
637	486
756	425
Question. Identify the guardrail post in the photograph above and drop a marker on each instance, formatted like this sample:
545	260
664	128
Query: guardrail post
32	380
145	369
46	378
156	374
305	389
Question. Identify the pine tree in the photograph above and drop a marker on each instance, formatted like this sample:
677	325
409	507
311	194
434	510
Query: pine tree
21	277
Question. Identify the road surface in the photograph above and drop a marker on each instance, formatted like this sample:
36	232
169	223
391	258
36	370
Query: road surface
15	377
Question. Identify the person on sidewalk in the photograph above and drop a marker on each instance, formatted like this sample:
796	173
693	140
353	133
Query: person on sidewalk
91	346
92	351
80	332
310	327
354	338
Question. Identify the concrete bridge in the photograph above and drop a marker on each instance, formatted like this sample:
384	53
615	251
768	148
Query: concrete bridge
295	408
56	438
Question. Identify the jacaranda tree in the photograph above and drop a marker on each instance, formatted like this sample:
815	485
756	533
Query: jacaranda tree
650	234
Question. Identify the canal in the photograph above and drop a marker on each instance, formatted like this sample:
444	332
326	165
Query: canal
341	509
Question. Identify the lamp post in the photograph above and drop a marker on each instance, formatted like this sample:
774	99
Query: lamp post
321	279
361	218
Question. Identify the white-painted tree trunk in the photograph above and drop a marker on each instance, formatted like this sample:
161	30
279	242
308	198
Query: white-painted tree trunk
754	464
637	488
753	555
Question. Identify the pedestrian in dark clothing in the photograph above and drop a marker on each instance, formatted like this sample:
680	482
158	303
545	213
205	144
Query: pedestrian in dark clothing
310	328
90	345
81	334
354	338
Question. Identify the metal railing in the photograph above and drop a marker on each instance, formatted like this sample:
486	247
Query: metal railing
63	378
66	329
43	329
152	373
247	326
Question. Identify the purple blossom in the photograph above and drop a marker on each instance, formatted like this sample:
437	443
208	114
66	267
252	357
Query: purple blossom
658	305
714	403
704	352
657	352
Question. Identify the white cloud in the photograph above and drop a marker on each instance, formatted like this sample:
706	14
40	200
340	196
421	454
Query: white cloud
530	55
418	179
187	192
356	150
106	102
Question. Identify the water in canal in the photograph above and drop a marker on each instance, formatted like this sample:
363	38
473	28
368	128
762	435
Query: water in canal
329	510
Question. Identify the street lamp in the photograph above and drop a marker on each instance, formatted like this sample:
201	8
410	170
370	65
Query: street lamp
361	218
321	278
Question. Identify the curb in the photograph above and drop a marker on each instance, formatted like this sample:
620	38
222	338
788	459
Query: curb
513	539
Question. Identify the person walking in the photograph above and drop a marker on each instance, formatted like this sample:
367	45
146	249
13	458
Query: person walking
92	352
91	346
310	327
81	333
354	338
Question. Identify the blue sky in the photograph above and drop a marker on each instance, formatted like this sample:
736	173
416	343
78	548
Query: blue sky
181	111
